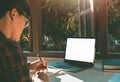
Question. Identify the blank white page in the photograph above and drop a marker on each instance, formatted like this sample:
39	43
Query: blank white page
80	49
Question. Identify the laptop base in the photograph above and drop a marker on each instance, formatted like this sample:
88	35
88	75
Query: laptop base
65	66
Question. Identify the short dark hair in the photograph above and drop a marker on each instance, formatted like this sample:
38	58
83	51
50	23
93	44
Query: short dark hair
21	5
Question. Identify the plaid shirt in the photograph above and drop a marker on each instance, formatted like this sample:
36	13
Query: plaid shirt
13	68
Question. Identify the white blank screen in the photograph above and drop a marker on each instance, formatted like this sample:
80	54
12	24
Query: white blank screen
80	49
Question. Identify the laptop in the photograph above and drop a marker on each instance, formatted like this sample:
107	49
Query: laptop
79	55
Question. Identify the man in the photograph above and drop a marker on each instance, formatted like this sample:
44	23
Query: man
14	16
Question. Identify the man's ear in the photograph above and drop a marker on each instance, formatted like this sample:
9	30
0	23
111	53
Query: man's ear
13	12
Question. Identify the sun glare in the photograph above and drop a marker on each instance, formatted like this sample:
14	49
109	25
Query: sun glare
91	5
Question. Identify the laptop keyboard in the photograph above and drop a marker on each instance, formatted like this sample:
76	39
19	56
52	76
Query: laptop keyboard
65	66
62	65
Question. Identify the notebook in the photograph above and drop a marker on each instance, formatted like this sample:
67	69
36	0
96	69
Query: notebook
79	55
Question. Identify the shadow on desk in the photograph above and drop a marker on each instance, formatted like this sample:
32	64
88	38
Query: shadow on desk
94	74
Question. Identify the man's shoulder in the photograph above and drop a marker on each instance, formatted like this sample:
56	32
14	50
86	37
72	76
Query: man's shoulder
6	45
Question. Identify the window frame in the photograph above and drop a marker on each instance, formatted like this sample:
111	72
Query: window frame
101	37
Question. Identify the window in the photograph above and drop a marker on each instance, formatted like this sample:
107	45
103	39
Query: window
55	20
64	18
113	26
108	23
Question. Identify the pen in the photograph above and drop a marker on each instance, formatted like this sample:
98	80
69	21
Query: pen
41	60
39	57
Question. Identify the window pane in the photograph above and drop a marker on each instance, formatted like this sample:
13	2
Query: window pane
59	20
89	32
114	25
83	25
25	41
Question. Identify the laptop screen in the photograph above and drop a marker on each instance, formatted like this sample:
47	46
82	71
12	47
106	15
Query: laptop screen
80	49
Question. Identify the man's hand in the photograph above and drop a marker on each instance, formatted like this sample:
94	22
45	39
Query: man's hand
40	77
39	65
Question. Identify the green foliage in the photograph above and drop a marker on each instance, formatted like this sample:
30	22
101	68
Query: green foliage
25	40
59	21
114	16
114	25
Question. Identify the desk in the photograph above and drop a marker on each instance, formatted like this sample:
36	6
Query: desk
94	74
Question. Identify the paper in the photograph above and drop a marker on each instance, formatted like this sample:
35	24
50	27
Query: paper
68	78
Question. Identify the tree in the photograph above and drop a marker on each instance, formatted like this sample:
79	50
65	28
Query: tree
59	21
114	25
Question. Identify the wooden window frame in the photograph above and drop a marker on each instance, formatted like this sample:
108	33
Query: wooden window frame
101	38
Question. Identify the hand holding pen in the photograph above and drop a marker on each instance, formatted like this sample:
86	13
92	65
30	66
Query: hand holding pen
40	71
39	65
44	65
